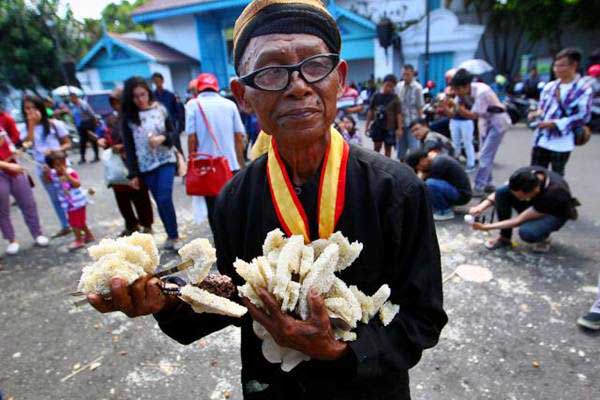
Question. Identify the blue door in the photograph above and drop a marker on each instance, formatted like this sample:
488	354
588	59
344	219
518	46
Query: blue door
439	63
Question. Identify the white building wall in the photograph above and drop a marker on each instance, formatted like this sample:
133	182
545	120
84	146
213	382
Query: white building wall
446	34
90	79
179	33
166	73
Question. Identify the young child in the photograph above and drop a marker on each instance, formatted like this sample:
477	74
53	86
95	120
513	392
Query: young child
71	197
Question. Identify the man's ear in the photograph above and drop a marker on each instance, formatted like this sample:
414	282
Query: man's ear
342	70
239	92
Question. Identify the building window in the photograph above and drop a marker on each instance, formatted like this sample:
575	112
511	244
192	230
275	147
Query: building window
434	4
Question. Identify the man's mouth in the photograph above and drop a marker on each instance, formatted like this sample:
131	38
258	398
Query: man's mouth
299	113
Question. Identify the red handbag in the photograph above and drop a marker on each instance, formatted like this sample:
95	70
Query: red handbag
207	174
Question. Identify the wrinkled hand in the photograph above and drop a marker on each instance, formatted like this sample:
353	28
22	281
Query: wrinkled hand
135	183
156	141
313	337
142	297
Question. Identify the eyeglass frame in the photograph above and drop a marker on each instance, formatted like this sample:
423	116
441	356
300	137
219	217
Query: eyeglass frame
248	79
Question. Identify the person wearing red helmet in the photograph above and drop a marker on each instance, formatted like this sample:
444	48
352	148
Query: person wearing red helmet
214	126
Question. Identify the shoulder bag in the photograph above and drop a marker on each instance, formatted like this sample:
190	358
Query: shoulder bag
207	174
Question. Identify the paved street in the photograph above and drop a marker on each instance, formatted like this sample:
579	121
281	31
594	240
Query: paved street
509	337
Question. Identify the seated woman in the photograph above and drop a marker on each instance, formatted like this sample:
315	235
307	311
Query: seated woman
542	199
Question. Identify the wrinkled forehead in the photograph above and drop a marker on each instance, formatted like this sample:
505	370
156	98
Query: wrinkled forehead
281	49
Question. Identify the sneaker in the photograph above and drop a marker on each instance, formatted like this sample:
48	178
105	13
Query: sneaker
62	232
172	244
498	243
489	189
590	320
12	248
541	247
41	241
443	215
76	245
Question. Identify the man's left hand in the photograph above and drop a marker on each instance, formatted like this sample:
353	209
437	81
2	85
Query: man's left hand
313	337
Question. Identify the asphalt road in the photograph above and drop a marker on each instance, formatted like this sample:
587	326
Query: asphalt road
511	334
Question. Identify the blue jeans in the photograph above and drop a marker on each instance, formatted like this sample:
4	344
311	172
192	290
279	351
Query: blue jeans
461	131
160	183
487	154
406	142
532	231
52	193
442	194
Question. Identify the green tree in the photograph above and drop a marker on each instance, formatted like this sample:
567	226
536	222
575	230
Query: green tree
32	34
117	17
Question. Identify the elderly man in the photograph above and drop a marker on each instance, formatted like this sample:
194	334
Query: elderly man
287	53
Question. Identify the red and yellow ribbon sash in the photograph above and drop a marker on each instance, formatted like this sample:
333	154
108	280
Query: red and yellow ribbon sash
332	190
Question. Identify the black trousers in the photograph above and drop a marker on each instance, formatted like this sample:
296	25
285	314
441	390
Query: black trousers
84	138
544	158
127	199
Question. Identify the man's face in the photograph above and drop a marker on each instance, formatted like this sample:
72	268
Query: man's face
388	87
419	131
158	82
564	68
302	112
408	75
526	196
74	99
462	91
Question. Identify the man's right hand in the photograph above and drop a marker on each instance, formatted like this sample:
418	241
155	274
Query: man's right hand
142	297
477	210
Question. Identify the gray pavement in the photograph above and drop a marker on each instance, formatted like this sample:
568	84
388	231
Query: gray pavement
509	337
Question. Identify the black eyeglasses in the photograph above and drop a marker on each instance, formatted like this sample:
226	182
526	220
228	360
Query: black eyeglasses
273	79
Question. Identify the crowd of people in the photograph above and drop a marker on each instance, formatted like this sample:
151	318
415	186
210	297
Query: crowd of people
296	94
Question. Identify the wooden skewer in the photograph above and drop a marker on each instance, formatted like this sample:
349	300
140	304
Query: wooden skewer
169	271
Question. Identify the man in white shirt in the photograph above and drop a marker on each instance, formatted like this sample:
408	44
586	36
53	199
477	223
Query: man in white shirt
226	126
410	93
565	106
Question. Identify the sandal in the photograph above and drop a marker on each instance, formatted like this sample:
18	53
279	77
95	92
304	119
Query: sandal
498	243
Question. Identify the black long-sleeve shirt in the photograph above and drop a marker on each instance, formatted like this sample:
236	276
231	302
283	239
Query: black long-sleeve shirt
387	210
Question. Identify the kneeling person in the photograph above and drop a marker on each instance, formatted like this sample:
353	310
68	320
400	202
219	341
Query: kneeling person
447	183
429	139
544	203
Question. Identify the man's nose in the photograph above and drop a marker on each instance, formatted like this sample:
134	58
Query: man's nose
298	87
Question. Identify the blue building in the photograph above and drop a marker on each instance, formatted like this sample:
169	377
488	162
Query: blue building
114	58
203	30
